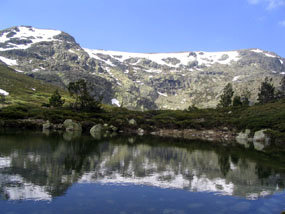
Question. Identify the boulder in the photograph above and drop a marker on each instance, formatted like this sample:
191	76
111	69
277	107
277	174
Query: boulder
47	125
96	131
58	126
70	125
113	128
132	122
243	138
261	140
140	131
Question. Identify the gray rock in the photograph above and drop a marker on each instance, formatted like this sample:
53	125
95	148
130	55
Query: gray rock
96	131
243	138
70	125
261	140
140	131
113	128
58	126
47	125
132	122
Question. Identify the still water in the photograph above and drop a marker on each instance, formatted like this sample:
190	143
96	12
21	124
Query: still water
57	173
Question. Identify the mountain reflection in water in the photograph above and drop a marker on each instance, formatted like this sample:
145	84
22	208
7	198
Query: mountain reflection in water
38	167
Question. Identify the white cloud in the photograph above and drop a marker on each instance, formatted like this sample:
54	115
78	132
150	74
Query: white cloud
270	4
275	3
282	23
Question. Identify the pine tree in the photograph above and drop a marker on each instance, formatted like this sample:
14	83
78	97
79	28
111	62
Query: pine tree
226	98
266	92
282	90
237	101
83	100
55	100
245	96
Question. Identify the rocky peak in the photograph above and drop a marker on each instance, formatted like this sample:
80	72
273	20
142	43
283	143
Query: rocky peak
138	80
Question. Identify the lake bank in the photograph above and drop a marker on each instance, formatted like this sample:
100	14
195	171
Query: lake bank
242	125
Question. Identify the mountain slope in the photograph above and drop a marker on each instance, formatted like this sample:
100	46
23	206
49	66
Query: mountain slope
138	80
23	89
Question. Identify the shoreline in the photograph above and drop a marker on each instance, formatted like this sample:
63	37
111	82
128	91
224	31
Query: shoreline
222	136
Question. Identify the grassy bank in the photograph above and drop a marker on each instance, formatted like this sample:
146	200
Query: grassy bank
268	116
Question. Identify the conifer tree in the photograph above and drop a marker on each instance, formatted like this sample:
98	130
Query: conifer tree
83	100
55	100
226	98
266	92
237	101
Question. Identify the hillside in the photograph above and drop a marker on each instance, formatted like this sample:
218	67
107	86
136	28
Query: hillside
138	81
22	89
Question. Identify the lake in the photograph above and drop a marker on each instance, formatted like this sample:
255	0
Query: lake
64	173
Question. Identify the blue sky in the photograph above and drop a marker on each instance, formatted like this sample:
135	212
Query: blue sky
157	25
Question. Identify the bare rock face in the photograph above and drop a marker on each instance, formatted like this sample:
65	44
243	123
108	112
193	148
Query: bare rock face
139	81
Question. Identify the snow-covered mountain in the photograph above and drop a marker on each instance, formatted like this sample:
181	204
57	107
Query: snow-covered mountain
138	80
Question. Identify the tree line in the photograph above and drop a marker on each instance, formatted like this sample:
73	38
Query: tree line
267	93
84	101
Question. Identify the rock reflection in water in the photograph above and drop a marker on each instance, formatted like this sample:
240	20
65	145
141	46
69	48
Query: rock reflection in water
40	167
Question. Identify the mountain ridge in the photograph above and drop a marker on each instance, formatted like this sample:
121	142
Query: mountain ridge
138	80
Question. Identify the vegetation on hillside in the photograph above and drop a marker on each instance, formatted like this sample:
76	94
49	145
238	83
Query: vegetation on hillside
25	103
24	90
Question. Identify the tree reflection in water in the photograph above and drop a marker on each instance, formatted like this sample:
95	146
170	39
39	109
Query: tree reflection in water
39	167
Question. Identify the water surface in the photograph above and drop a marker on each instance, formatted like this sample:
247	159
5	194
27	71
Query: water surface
64	174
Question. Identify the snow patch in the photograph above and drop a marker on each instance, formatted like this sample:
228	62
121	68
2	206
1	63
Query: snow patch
5	93
19	71
29	33
235	78
7	61
261	51
162	94
115	102
257	51
269	55
207	58
281	61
